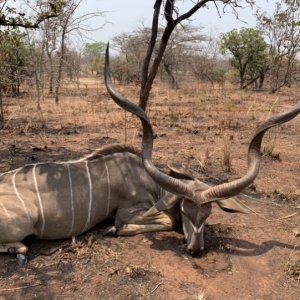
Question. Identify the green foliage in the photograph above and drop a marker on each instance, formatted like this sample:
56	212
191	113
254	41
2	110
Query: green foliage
11	17
14	56
132	48
232	76
218	74
94	49
294	3
248	49
243	44
282	30
56	7
94	53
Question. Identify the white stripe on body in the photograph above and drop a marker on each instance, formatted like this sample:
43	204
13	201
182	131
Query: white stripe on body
90	197
72	200
19	196
83	159
160	193
108	190
4	208
40	200
49	162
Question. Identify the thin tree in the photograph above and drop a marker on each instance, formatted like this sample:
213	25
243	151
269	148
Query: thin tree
69	23
172	18
50	32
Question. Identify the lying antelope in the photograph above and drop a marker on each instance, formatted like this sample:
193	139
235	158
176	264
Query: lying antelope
195	198
63	199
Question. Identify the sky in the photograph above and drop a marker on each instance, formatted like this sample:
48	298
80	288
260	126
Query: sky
127	15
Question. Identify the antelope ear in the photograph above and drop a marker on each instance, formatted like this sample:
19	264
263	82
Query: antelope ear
180	173
165	203
232	205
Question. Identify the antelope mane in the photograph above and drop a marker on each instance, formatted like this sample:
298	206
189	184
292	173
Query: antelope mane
111	149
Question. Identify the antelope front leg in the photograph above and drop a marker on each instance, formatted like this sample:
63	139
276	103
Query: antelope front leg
133	229
16	248
127	223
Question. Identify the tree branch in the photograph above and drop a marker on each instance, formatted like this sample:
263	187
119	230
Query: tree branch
191	11
145	68
169	8
11	22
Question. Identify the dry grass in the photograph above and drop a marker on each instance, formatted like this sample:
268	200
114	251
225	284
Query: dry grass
200	296
200	127
227	154
292	268
268	148
214	125
290	195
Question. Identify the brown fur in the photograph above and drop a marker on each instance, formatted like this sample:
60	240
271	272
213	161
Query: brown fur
111	149
180	173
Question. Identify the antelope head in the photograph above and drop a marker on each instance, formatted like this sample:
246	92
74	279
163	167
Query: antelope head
192	216
196	198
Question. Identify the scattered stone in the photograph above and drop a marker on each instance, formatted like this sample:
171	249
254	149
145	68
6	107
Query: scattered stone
296	232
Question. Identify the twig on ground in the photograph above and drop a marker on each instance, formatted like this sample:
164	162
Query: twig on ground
289	216
21	287
156	287
270	220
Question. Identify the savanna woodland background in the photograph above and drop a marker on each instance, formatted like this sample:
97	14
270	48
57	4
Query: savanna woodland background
205	95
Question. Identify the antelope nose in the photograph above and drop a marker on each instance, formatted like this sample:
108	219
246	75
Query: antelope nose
191	251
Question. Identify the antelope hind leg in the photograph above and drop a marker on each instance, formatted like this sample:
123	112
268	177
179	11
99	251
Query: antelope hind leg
16	248
13	248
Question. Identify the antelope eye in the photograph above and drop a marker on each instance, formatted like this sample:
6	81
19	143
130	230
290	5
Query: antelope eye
189	210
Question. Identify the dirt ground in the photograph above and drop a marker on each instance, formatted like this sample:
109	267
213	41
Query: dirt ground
204	129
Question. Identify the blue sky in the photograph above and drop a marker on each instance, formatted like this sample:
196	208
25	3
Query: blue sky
126	15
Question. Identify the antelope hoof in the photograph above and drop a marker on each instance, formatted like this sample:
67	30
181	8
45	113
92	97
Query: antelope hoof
110	231
12	250
22	260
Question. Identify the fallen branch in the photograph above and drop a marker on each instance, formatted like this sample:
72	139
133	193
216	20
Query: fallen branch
20	287
289	216
270	220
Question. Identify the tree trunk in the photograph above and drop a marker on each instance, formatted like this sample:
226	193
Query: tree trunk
251	81
1	102
18	85
38	89
148	73
59	71
242	80
261	81
174	83
146	63
51	79
145	91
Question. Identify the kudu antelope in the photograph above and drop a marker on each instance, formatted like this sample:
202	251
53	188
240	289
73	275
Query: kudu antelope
195	198
63	199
